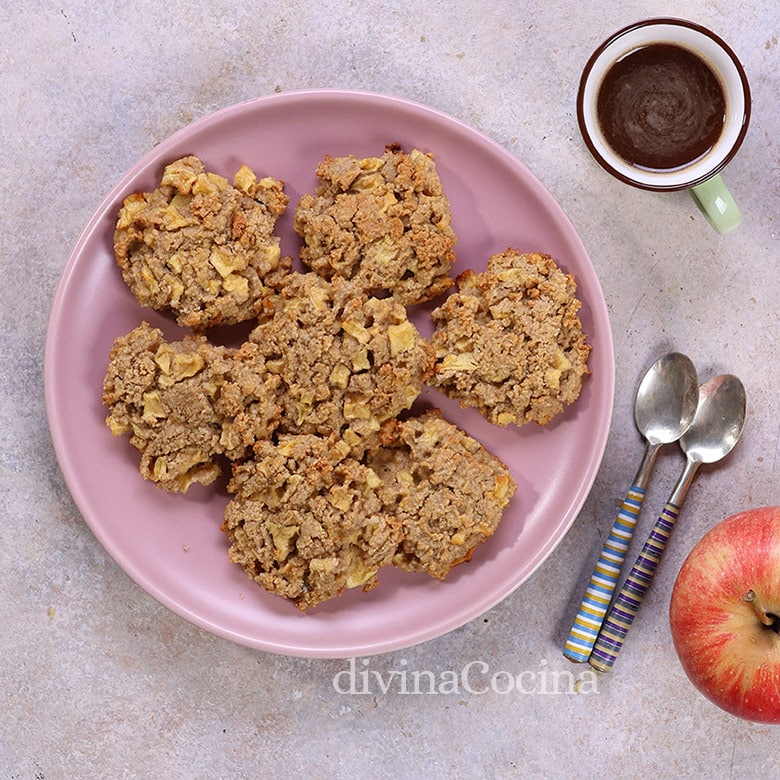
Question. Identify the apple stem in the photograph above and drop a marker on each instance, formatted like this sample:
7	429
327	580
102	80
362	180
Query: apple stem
767	618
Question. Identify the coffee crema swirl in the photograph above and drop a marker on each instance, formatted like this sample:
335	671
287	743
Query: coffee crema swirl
661	107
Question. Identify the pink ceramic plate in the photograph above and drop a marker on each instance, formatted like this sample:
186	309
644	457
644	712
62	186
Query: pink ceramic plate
171	545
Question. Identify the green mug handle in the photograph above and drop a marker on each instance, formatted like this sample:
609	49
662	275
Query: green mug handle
715	202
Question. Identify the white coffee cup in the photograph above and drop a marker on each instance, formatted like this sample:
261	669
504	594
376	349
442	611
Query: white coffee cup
701	176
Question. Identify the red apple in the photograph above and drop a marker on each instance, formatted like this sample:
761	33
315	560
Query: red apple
725	615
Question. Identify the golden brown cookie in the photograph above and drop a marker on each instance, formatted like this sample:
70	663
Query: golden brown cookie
202	248
186	402
446	489
509	342
306	520
382	221
347	361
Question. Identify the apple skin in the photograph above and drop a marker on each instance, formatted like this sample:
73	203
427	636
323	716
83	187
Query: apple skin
729	646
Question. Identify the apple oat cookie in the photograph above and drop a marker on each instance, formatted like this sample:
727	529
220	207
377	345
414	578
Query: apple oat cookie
446	489
509	342
202	248
162	394
306	520
383	221
347	361
184	403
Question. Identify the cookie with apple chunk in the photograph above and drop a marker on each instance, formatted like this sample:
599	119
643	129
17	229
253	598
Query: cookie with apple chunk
382	221
184	403
447	490
510	342
306	521
200	247
347	361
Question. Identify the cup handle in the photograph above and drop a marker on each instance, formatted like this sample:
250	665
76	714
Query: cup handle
715	202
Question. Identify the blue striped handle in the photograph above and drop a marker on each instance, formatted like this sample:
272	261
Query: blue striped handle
620	618
604	579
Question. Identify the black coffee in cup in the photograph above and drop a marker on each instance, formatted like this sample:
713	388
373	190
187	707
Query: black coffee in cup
661	107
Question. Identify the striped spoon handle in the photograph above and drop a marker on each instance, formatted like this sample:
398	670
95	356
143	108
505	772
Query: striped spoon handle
606	573
620	618
603	581
624	610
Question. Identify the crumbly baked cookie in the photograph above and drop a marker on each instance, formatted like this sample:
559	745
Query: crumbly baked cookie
202	248
186	402
383	221
162	394
306	520
347	361
447	490
509	341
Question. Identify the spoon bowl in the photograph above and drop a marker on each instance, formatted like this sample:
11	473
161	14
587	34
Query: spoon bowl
719	421
666	399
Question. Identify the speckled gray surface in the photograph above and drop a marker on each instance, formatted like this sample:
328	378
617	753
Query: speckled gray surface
97	679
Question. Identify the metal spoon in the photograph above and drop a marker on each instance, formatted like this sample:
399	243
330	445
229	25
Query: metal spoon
716	428
663	410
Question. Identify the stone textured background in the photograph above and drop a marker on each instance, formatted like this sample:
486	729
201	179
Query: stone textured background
96	678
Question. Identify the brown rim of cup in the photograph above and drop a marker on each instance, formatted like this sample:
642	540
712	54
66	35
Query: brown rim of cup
677	23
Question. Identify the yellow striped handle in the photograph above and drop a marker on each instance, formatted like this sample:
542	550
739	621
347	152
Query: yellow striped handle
603	581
